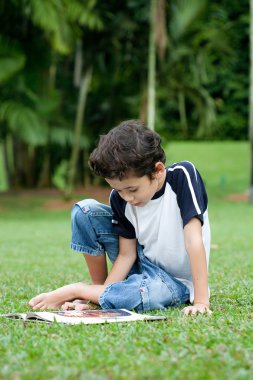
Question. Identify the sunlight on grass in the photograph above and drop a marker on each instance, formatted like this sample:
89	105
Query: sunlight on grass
224	166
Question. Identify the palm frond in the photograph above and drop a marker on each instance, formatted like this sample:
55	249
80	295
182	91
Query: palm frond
59	19
24	122
204	108
64	137
61	136
11	60
45	14
85	15
184	12
51	17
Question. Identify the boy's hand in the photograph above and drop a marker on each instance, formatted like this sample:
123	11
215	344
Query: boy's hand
197	308
79	305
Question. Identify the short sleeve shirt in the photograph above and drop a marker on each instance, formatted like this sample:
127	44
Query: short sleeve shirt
158	226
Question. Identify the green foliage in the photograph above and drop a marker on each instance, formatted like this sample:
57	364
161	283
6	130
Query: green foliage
60	176
86	16
11	60
57	18
24	122
200	49
185	14
50	16
201	83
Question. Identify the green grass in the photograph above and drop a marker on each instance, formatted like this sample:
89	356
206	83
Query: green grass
224	166
35	257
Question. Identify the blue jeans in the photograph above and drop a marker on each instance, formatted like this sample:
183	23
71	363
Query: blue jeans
147	286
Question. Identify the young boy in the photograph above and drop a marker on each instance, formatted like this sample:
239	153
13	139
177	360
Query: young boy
155	231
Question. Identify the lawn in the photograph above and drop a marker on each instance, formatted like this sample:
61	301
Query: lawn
35	257
223	165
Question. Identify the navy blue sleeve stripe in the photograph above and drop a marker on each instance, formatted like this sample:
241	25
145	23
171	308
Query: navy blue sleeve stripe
194	198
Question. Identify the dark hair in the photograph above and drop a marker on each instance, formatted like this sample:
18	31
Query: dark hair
129	147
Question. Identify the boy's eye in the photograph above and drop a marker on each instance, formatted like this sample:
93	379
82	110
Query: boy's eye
129	190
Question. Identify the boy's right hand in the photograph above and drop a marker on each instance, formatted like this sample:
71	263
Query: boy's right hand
196	309
79	305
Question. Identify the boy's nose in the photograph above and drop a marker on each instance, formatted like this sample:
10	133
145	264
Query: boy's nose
128	198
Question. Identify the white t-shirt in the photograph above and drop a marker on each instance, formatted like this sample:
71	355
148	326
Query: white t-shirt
158	226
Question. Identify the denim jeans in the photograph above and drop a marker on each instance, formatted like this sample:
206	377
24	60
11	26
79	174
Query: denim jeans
147	286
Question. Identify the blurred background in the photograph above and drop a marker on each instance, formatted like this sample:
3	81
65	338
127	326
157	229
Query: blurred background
72	70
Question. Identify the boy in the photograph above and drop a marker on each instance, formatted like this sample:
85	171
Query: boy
156	231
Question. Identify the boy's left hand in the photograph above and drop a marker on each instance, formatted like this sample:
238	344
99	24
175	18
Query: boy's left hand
196	308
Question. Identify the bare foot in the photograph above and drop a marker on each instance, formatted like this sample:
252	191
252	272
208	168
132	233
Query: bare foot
56	298
45	301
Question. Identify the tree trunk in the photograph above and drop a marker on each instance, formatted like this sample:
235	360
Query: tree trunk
251	105
151	67
6	165
86	171
143	105
9	161
83	91
45	175
29	161
78	64
21	165
182	113
251	174
6	179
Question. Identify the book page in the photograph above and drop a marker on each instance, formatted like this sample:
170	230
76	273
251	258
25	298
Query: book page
15	316
93	316
74	317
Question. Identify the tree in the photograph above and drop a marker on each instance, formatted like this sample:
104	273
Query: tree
49	125
157	39
30	111
151	67
195	44
251	104
12	60
83	93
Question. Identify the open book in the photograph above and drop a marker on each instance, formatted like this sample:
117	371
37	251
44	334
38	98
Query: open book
74	317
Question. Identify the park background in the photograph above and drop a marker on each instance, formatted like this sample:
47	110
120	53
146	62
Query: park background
72	70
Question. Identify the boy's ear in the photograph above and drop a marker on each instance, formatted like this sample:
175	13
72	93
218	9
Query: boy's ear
159	169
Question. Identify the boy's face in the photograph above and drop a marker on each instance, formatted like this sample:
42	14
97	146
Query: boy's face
139	190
